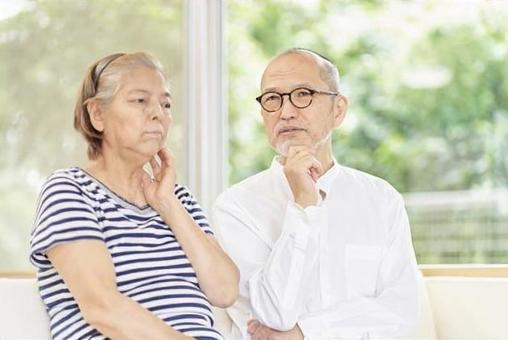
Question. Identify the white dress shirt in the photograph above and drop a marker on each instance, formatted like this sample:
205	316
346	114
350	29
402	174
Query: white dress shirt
342	269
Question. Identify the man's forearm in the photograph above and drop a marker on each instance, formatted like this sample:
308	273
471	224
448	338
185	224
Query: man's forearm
277	289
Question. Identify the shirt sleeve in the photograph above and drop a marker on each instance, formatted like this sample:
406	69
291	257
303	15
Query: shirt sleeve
393	311
63	215
193	208
274	288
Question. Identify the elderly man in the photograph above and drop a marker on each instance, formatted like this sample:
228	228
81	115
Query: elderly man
324	250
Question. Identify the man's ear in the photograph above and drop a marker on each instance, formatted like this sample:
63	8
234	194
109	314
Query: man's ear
96	116
340	110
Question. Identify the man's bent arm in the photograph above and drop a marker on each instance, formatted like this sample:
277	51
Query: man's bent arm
275	287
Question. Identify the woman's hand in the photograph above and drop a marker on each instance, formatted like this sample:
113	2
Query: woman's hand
159	190
217	274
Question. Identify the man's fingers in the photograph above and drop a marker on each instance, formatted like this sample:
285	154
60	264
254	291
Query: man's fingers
307	162
300	155
252	326
293	150
316	169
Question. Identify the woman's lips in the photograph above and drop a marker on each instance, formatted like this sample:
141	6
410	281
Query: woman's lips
154	134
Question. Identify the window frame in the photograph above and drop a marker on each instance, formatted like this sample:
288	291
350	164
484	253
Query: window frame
206	96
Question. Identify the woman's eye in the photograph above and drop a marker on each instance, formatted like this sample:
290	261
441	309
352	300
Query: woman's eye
138	100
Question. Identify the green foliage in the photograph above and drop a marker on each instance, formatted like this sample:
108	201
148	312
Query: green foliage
428	97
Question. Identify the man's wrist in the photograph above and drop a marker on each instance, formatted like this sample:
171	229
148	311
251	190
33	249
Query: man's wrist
306	200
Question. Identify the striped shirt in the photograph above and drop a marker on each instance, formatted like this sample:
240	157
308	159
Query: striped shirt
151	267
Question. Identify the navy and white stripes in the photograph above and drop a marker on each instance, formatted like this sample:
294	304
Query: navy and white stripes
150	265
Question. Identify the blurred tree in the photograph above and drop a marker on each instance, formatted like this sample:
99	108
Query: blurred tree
45	50
428	108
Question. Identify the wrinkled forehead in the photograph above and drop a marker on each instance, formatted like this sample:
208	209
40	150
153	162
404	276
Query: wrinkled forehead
143	75
291	71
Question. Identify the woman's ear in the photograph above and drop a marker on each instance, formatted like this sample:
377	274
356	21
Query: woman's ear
96	116
340	110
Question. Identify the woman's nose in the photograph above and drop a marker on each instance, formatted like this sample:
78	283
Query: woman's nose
156	111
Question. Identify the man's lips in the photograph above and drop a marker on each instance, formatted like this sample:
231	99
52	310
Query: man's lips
289	129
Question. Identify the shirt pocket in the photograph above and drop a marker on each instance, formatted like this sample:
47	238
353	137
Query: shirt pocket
361	269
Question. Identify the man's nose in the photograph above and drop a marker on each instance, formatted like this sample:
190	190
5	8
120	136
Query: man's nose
287	110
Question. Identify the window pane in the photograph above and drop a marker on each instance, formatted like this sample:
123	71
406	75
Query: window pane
427	83
45	48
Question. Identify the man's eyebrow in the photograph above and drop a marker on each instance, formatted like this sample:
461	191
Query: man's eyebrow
292	87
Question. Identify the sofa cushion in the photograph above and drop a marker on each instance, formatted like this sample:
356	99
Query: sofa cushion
469	308
22	314
424	329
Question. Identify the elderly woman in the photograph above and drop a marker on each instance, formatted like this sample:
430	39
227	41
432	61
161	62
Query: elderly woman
120	253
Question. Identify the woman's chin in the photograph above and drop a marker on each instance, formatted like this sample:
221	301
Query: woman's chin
147	153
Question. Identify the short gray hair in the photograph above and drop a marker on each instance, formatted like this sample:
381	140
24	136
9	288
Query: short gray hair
327	70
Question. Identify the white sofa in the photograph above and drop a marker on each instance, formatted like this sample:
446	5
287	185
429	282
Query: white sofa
453	308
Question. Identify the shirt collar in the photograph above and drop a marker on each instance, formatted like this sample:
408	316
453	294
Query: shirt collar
324	182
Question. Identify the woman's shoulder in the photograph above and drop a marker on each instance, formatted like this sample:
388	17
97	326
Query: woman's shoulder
65	178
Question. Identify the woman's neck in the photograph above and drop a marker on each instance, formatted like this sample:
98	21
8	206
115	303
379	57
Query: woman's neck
122	177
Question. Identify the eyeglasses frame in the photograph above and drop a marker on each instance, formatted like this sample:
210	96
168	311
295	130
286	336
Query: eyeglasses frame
312	93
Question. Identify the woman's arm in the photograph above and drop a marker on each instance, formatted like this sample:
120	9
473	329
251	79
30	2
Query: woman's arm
87	269
218	276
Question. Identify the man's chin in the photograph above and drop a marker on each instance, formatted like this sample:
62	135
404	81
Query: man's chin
283	147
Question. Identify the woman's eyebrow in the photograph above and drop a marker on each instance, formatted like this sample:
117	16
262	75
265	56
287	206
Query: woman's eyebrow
165	94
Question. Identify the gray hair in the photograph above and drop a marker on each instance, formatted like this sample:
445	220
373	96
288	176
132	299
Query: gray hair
101	83
327	70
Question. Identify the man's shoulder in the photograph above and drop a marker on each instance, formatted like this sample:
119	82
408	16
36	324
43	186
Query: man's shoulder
366	182
248	186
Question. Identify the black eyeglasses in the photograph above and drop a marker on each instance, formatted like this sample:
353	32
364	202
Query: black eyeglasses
300	97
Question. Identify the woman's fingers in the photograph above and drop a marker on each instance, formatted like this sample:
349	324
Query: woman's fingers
156	167
165	156
146	180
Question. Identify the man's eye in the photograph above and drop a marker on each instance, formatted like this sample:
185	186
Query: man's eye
302	93
140	100
271	97
167	105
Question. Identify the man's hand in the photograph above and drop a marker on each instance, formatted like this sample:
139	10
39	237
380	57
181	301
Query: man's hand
259	331
302	170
